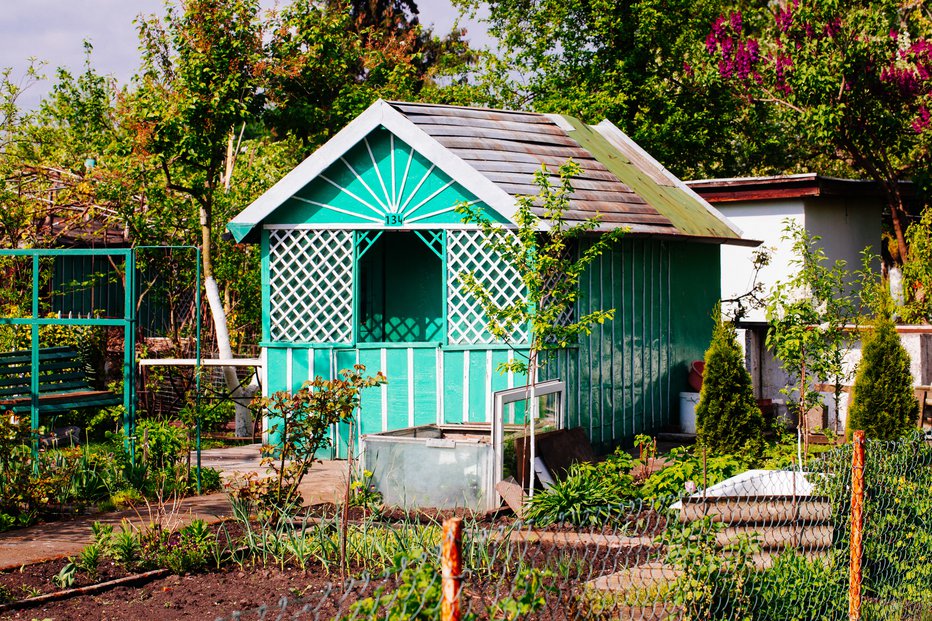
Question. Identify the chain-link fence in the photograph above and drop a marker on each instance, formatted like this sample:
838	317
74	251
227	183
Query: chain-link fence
849	537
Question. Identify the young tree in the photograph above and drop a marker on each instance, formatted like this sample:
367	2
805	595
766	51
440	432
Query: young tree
853	78
543	251
883	403
807	316
728	420
199	88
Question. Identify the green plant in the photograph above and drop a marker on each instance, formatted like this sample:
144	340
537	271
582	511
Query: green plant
302	425
416	594
363	492
714	582
89	559
728	419
795	588
66	576
589	495
883	403
897	506
687	472
125	547
807	315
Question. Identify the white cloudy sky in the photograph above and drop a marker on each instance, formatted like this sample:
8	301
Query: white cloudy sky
54	30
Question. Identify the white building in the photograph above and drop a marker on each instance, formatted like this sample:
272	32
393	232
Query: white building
846	214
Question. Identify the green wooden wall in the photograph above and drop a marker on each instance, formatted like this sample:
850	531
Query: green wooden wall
625	378
426	384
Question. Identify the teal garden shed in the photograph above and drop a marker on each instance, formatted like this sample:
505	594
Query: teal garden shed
362	250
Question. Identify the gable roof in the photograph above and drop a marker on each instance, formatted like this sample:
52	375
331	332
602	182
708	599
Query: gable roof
494	154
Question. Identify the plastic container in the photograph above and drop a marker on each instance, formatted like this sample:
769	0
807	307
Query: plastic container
688	402
696	371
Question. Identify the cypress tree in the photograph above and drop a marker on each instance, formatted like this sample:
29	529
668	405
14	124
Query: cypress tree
728	419
883	403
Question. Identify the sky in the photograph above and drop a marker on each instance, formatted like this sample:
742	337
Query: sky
53	31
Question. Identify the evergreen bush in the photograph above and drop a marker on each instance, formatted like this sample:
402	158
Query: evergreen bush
883	403
728	419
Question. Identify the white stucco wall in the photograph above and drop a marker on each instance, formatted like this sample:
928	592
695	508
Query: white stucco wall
847	227
763	221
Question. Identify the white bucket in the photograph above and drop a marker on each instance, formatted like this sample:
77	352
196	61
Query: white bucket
688	402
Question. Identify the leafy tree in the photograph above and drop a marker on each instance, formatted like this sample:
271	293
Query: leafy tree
636	63
198	87
328	61
883	403
728	420
852	78
807	315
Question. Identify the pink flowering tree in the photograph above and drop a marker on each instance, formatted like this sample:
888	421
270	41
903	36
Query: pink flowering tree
852	79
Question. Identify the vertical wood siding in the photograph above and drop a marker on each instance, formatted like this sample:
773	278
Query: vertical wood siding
625	377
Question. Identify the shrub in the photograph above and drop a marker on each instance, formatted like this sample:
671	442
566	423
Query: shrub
897	509
685	474
795	588
883	404
727	417
714	582
590	495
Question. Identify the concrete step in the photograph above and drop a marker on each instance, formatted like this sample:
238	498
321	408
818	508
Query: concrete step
761	509
798	536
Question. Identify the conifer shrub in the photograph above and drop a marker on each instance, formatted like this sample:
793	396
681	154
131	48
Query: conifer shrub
883	403
728	420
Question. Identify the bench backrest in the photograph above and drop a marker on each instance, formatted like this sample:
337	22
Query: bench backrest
60	370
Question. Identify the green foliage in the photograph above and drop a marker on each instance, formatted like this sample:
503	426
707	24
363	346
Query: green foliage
883	403
897	506
363	492
66	576
714	582
88	560
686	473
917	271
303	421
795	588
807	315
637	64
543	251
728	419
589	495
417	594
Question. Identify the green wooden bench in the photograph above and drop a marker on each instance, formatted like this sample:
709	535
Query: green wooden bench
63	384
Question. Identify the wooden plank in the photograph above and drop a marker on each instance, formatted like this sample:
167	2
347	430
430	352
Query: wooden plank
492	155
508	146
423	121
468	131
578	184
412	110
485	166
628	198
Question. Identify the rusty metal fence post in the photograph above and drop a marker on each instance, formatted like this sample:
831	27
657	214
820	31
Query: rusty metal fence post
451	568
857	526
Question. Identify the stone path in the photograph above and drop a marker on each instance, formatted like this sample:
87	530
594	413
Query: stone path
324	483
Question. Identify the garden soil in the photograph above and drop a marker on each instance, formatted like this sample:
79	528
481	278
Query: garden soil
324	483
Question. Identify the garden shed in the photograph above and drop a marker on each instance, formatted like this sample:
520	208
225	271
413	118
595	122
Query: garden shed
362	249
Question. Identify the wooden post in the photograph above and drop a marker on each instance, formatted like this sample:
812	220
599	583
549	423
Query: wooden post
451	567
857	526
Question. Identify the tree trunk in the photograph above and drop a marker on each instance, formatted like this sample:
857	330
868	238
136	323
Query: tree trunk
240	400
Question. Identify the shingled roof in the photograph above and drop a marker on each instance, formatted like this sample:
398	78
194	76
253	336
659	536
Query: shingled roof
495	153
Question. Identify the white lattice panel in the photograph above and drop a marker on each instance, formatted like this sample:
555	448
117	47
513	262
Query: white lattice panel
311	276
467	252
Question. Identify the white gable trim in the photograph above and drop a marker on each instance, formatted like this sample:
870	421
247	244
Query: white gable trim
378	114
622	142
